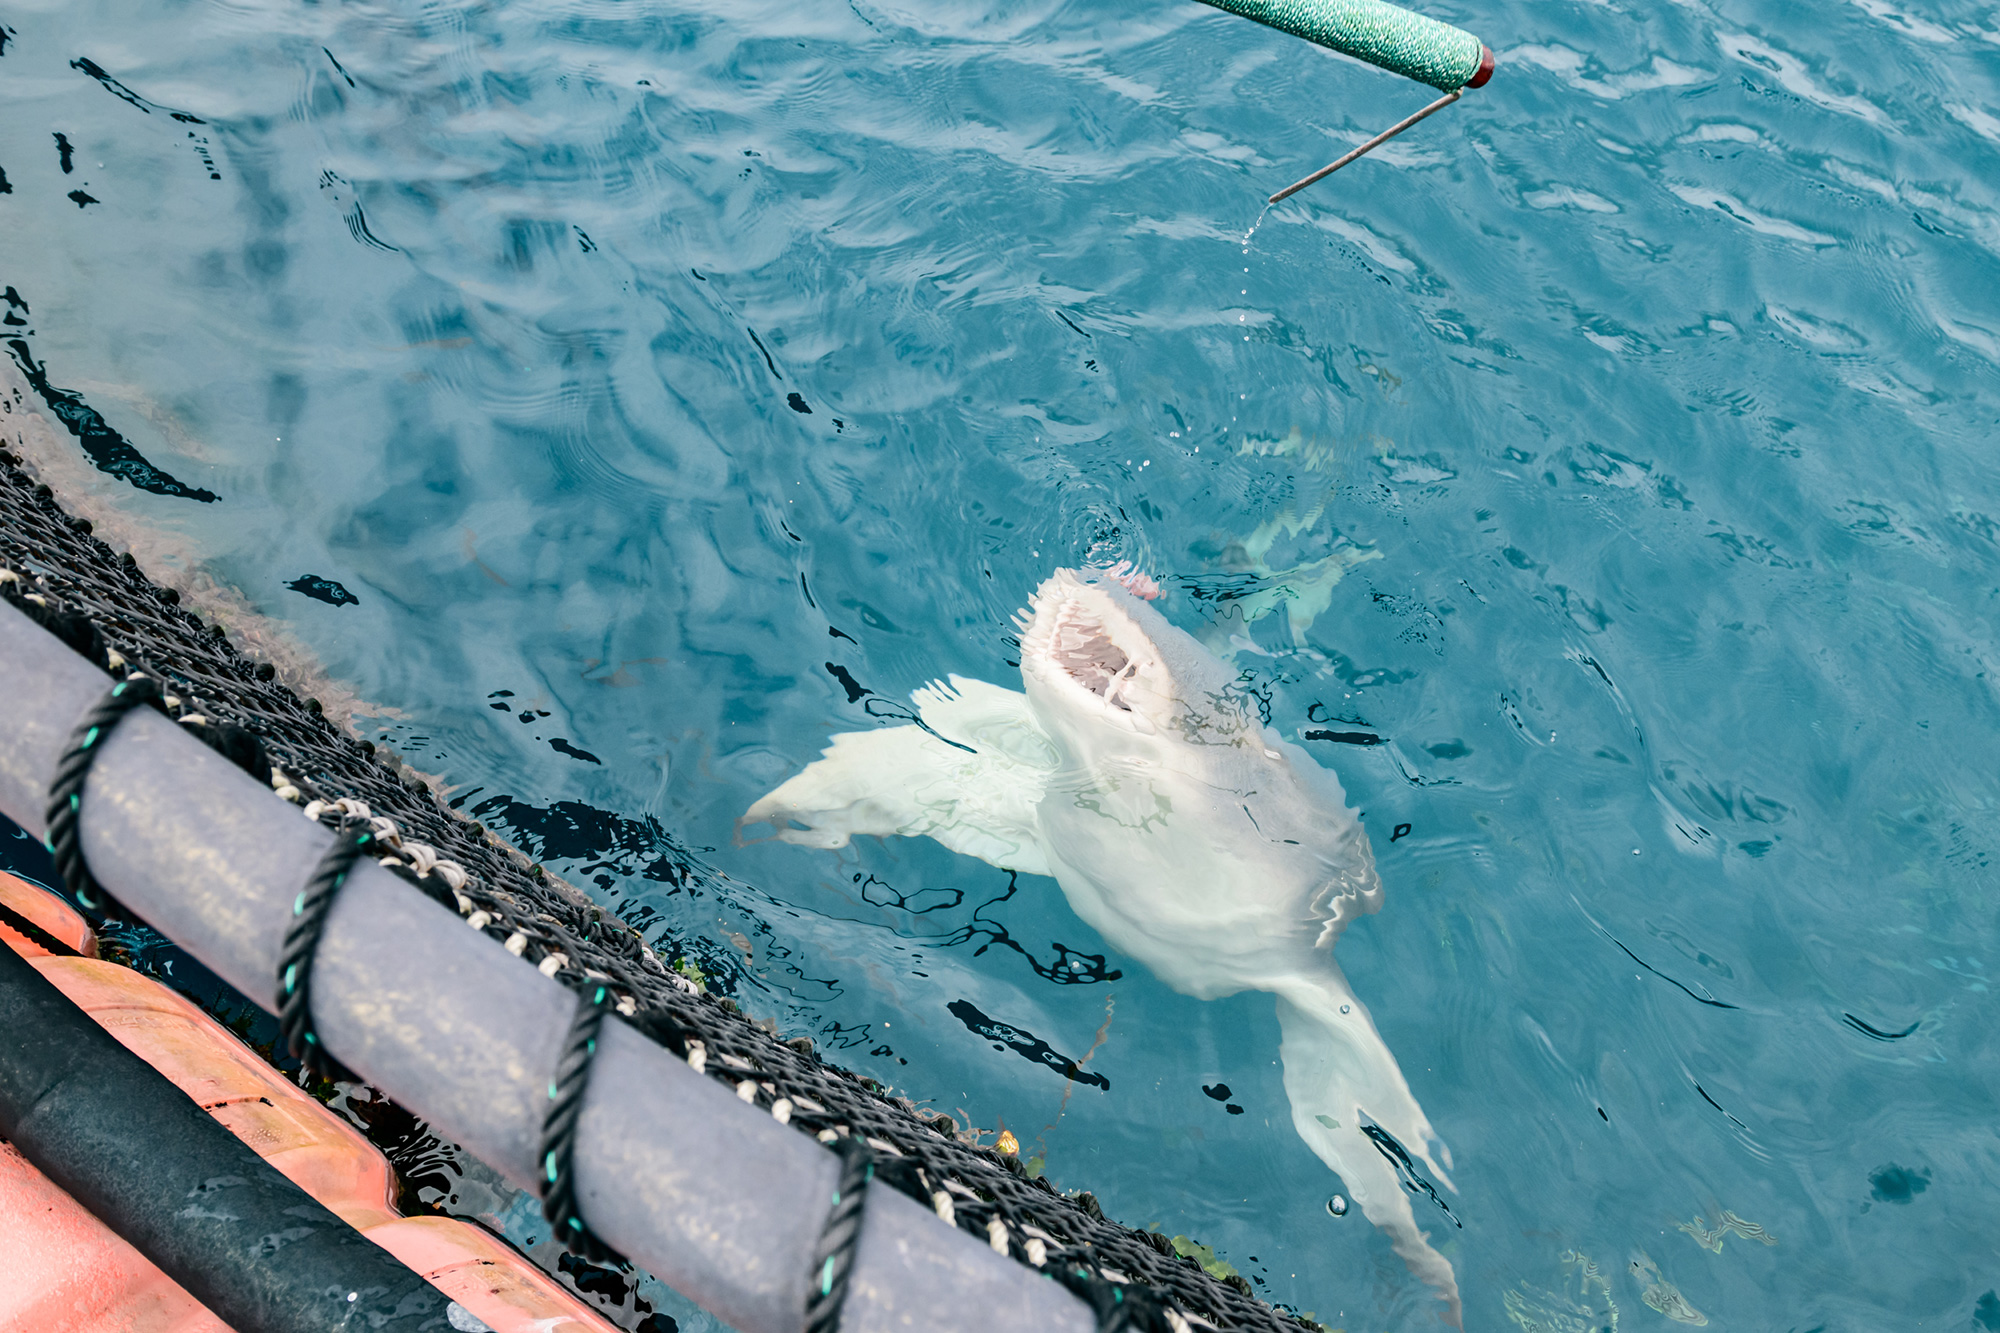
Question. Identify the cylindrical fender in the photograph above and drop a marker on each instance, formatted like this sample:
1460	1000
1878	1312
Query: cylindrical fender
117	1137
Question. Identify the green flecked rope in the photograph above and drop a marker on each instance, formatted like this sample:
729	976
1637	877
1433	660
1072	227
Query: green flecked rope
1382	34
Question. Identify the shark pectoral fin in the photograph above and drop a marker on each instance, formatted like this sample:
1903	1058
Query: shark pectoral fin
844	792
989	718
1339	1076
912	782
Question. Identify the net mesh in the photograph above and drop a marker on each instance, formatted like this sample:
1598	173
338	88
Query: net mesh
557	926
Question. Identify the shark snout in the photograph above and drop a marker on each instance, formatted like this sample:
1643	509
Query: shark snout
1083	646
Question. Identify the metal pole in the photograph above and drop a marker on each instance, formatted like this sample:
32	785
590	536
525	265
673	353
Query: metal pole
1372	144
710	1195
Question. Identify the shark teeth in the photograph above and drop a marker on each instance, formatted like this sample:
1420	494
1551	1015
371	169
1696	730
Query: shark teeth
1082	648
1071	627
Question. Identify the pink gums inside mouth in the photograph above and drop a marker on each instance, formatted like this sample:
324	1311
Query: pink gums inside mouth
1081	648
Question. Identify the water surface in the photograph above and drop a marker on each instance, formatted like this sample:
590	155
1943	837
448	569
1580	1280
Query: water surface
1601	472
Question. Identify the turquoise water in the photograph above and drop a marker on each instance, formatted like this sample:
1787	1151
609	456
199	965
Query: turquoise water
685	386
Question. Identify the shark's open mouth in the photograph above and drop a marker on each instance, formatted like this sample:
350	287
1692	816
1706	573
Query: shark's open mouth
1080	645
1079	632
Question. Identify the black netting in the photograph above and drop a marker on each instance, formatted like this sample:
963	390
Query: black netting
556	926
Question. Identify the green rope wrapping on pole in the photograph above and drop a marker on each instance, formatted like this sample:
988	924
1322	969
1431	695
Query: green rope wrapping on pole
1397	40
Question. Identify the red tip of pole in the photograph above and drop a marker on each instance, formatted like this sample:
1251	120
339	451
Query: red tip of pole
1485	70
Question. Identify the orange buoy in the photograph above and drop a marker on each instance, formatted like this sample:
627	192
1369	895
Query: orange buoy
68	1273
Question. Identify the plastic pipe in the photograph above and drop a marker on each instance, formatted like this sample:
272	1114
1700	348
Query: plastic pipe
1382	34
262	1254
710	1195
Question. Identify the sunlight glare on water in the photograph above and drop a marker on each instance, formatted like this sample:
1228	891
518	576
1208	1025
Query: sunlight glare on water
1598	478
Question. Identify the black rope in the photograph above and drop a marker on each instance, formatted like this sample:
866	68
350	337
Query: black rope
833	1257
557	1180
295	961
65	837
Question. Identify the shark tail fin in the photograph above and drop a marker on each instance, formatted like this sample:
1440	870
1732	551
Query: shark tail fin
1353	1109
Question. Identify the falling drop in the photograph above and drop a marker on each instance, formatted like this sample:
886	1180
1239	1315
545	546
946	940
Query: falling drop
1336	1206
1253	228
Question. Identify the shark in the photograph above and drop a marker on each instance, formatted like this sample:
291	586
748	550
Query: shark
1132	769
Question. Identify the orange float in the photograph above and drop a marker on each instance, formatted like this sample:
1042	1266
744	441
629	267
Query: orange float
66	1272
